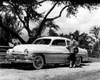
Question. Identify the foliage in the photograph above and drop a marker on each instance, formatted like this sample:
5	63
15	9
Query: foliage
25	10
4	37
52	32
65	35
17	14
95	31
83	41
96	48
52	28
76	34
81	38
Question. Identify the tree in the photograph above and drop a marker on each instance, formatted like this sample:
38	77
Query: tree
76	34
52	28
83	42
95	31
19	7
4	37
96	48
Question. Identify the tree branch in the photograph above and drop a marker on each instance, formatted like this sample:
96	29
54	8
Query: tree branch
25	26
58	15
14	6
41	27
43	21
28	16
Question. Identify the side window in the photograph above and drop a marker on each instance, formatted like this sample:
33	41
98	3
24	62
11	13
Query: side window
42	41
59	43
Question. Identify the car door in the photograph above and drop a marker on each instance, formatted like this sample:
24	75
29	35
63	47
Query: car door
59	53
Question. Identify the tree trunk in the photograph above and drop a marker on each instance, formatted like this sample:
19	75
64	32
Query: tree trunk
31	37
12	32
31	40
39	31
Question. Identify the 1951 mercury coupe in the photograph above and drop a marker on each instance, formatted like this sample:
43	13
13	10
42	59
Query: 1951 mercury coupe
45	50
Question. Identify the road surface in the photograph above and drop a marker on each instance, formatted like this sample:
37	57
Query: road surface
88	71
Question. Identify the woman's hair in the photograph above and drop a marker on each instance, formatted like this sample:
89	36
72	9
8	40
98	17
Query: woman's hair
72	35
76	38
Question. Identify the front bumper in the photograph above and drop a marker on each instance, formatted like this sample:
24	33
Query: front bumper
19	58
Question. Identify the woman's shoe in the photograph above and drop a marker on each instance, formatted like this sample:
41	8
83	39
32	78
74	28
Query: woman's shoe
70	66
74	66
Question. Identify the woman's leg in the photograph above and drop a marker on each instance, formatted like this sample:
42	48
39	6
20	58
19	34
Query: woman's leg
71	64
74	61
74	64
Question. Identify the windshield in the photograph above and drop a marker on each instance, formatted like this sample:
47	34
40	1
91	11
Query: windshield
42	41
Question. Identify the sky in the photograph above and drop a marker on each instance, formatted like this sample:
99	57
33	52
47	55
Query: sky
83	22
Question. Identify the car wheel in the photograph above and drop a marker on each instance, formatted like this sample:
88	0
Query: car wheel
38	62
78	61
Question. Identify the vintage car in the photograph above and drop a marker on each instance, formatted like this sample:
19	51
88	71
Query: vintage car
45	50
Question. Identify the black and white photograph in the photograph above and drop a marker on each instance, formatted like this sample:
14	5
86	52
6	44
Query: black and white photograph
49	39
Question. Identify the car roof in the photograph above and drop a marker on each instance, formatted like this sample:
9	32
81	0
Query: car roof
53	37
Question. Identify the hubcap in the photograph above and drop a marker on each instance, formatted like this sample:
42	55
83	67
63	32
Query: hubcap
78	61
38	61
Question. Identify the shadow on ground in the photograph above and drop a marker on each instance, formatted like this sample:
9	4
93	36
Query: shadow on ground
29	66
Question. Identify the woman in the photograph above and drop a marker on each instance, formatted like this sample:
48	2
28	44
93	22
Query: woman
73	50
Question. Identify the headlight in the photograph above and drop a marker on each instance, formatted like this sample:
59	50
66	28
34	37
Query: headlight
7	51
26	51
